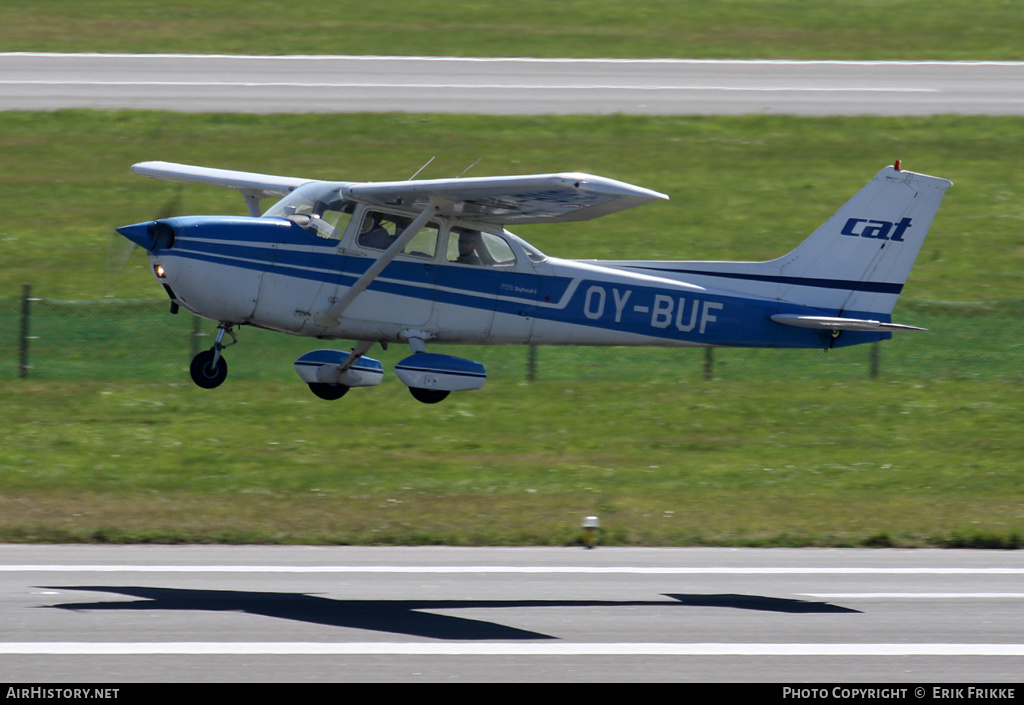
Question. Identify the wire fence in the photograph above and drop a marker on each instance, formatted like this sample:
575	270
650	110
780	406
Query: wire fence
48	339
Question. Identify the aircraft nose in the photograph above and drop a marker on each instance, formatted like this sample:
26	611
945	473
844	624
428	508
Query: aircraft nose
150	234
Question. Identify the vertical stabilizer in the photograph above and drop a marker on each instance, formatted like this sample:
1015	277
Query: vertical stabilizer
854	264
860	258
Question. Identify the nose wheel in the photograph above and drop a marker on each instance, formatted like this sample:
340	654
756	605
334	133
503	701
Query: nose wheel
209	369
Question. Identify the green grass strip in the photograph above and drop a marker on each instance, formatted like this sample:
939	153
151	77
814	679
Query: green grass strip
743	29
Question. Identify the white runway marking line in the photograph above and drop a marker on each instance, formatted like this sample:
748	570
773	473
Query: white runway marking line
498	59
501	649
484	569
915	595
444	86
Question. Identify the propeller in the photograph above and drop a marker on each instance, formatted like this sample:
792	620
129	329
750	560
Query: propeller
120	249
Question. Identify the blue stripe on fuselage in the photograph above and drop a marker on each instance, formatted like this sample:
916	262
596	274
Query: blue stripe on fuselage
841	284
649	311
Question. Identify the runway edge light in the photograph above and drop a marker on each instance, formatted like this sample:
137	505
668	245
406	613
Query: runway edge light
590	526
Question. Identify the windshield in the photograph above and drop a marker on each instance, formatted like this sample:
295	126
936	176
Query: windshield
532	253
317	207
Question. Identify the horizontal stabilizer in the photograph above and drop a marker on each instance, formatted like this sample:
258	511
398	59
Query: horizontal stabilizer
834	323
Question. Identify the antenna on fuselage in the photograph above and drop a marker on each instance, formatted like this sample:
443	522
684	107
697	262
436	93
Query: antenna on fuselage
422	167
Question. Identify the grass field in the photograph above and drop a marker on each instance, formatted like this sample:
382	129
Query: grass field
929	458
662	463
115	445
763	29
742	187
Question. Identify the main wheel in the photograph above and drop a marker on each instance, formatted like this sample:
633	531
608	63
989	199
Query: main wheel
429	396
204	373
328	391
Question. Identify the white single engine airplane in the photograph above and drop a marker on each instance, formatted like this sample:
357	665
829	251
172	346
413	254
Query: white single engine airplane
431	261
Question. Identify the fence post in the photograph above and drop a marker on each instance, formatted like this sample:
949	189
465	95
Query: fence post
24	337
709	363
24	363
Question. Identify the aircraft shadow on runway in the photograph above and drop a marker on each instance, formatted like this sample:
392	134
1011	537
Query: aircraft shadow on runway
410	617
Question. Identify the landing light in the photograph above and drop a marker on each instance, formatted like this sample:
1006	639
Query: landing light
159	270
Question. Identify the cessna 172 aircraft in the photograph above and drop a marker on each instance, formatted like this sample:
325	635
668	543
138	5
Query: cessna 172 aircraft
430	261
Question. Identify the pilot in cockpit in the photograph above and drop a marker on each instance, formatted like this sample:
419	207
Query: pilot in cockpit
372	234
469	247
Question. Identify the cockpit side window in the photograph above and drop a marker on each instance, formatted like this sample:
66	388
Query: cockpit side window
379	230
336	216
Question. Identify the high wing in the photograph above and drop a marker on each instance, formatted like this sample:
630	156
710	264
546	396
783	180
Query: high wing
540	198
252	186
264	185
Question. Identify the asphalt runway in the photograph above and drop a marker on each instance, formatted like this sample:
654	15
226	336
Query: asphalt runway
129	614
507	86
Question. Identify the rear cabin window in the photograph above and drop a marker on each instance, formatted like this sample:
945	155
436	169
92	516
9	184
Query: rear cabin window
467	246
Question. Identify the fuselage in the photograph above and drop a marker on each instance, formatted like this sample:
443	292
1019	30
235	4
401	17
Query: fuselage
278	272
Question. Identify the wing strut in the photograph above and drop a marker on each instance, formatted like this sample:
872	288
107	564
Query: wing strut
357	353
328	318
252	202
